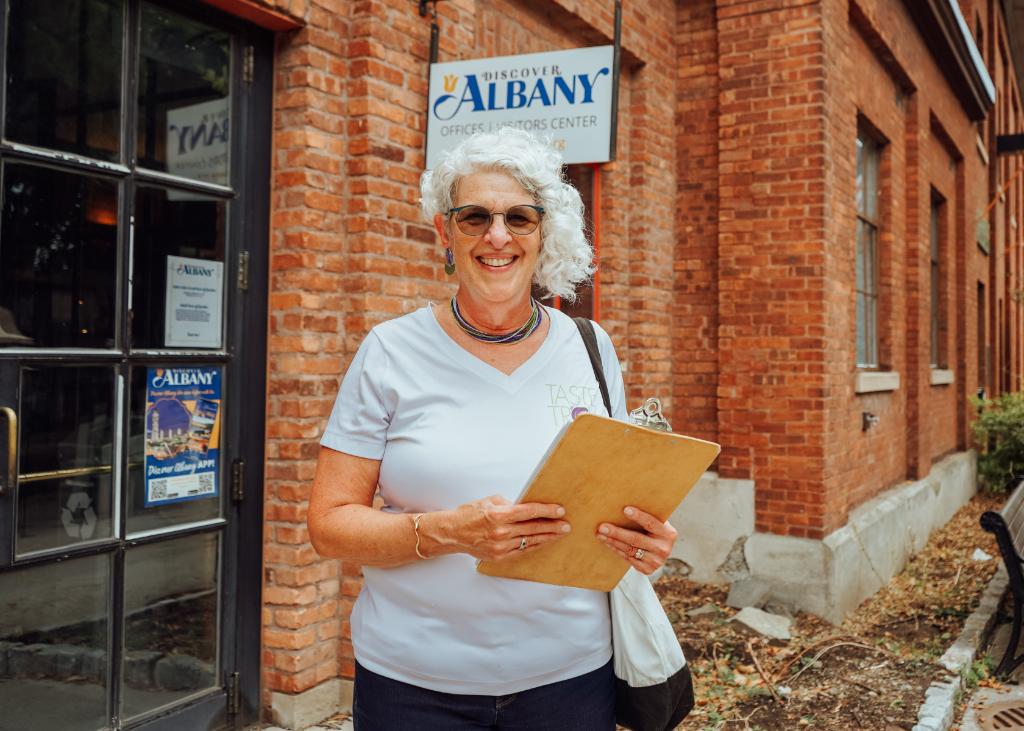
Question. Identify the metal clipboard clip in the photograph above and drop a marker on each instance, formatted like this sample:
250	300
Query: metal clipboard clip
650	416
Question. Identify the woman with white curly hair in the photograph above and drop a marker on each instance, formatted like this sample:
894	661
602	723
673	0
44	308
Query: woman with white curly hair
446	411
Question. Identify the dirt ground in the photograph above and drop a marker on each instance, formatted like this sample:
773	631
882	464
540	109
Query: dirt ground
869	673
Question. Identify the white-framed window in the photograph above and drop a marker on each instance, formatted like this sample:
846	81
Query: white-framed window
868	157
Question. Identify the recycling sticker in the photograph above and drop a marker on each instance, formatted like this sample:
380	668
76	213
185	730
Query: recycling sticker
78	516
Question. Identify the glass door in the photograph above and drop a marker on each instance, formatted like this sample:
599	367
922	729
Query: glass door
123	215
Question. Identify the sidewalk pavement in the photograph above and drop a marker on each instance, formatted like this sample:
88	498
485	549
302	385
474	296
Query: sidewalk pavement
345	725
941	698
982	702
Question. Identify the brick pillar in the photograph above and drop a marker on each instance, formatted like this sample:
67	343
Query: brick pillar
771	275
308	276
917	291
695	304
648	180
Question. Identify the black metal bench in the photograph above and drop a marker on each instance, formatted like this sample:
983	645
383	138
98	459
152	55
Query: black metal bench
1008	527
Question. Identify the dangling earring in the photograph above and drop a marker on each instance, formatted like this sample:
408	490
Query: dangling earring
449	262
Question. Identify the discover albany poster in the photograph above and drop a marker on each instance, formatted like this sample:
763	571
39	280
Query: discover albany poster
182	434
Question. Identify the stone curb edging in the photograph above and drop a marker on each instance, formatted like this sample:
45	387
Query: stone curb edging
940	699
143	669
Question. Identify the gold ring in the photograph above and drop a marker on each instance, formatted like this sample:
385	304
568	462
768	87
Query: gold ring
639	555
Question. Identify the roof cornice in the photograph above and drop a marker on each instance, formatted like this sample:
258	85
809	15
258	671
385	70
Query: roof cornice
949	39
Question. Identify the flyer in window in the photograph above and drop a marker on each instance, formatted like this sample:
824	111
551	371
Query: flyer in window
183	418
193	303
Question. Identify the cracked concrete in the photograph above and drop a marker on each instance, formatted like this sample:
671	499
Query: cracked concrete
831	577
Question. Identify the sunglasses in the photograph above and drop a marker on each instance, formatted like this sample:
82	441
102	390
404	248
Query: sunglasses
475	220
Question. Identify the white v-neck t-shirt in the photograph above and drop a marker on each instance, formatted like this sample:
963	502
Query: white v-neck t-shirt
449	429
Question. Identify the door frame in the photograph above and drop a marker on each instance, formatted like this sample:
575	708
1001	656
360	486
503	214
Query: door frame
235	702
245	530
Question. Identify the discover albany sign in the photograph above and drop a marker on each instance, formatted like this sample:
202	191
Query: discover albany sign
564	96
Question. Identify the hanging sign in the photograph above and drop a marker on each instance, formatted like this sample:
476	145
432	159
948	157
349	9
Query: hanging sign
564	96
193	303
182	434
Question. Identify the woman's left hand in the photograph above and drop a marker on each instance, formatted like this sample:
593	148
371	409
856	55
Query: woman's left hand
646	550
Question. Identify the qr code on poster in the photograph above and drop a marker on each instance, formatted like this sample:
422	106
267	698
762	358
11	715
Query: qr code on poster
158	490
206	483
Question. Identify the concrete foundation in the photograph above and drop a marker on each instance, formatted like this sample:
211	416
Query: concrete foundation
831	577
297	712
713	521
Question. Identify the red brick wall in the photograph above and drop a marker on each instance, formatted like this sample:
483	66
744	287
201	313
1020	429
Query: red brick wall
862	463
695	306
937	405
899	88
771	255
310	265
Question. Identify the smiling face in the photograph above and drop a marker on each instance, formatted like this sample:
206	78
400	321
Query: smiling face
497	266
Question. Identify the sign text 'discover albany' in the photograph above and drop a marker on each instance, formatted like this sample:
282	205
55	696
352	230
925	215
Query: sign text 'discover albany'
564	96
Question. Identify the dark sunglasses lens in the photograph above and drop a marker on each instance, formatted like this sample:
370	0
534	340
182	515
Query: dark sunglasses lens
473	220
522	219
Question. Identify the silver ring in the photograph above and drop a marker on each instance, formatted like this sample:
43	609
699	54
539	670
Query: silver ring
639	555
522	543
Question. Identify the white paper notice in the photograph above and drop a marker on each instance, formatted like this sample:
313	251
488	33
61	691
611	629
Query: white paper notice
194	303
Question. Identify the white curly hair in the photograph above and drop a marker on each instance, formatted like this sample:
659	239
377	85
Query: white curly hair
566	257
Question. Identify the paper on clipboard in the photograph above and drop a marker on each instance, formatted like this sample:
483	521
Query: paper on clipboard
594	469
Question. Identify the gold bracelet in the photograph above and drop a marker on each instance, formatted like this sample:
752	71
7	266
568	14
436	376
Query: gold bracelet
416	530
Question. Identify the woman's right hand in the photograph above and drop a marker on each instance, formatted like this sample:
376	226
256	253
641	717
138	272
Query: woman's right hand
493	528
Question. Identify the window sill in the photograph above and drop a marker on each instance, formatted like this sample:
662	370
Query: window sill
875	381
942	377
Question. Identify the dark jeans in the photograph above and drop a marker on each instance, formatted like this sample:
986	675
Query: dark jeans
583	703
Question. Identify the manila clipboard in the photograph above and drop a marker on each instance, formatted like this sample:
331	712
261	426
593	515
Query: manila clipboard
594	469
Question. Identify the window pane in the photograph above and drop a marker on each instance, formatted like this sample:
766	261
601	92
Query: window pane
871	261
861	255
178	276
982	332
184	96
67	423
871	317
860	176
53	630
170	635
64	75
171	442
862	339
935	314
871	179
58	259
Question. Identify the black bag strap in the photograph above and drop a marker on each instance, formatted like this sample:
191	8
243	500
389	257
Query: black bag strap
586	328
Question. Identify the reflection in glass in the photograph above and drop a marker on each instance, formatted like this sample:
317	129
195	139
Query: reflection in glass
64	75
58	259
140	517
184	96
168	224
67	423
53	646
171	618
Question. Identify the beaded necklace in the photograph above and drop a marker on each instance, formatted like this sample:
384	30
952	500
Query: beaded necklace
524	331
